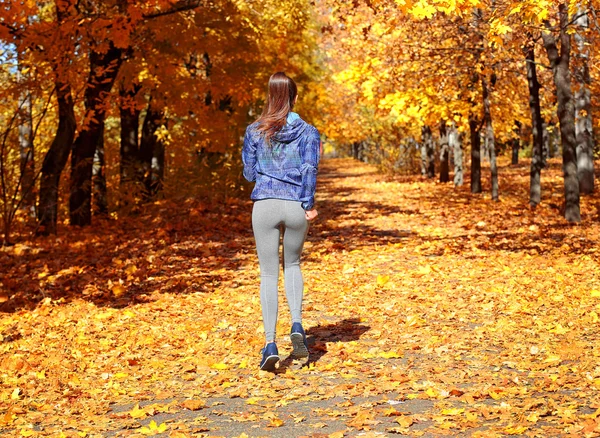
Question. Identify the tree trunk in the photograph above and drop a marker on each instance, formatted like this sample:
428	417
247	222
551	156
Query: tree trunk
583	106
545	145
516	146
474	120
55	160
516	143
553	141
356	150
490	139
455	145
152	152
130	123
27	167
444	154
98	177
103	72
566	112
537	123
475	128
27	160
158	164
423	149
430	155
427	152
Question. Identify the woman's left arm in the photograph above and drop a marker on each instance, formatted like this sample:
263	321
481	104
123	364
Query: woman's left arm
310	163
249	156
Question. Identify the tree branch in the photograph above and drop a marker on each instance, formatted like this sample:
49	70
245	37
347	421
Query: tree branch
547	67
12	30
181	6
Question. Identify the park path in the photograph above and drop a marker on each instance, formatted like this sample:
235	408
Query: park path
429	312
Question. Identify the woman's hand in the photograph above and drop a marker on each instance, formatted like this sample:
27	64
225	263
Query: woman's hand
311	214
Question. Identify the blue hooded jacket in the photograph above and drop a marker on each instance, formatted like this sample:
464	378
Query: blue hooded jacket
287	167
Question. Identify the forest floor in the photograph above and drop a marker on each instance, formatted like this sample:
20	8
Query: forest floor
429	312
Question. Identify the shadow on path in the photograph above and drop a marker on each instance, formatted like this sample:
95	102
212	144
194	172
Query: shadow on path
346	330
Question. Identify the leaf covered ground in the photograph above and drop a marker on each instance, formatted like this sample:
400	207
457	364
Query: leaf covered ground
429	312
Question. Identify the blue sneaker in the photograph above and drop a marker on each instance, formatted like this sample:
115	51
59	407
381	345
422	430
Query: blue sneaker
298	338
270	356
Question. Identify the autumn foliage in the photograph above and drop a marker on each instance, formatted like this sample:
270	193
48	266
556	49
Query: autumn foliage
452	279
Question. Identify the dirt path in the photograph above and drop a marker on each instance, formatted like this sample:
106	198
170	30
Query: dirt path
429	312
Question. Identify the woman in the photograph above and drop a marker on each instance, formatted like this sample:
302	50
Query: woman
281	154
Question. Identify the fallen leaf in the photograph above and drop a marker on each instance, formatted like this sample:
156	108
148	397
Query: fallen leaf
194	405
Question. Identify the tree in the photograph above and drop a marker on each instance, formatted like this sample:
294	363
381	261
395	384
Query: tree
427	152
537	123
583	104
104	67
444	153
26	146
560	62
455	144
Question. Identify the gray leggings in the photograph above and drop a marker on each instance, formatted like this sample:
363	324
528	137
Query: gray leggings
270	218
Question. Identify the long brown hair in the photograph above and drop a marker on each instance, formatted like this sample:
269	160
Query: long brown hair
280	101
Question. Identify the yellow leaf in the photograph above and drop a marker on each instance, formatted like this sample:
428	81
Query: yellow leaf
118	290
390	355
559	329
453	411
338	434
347	269
424	270
252	400
431	393
15	394
515	430
27	432
276	422
552	358
391	412
382	279
422	10
405	421
220	366
595	293
137	413
495	395
194	405
471	416
153	428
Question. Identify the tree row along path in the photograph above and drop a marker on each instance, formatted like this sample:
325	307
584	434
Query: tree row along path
429	312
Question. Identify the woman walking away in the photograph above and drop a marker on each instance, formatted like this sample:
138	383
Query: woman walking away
281	154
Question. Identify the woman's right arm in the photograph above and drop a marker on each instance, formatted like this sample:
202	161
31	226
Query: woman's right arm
249	156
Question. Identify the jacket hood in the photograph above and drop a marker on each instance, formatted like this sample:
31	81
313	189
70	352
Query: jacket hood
291	131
